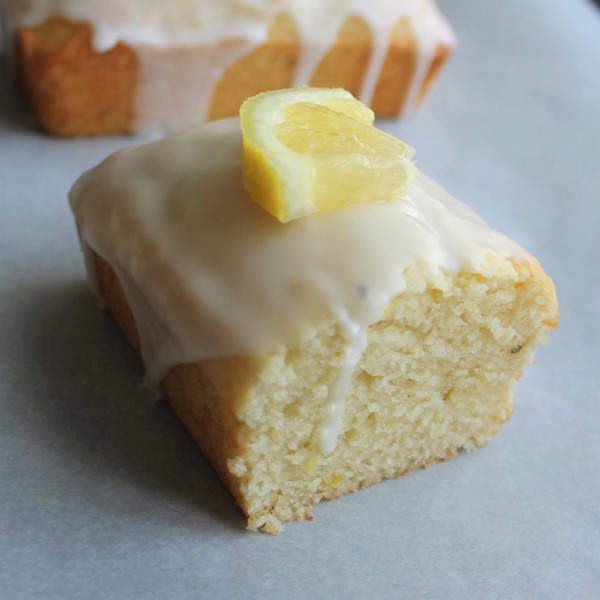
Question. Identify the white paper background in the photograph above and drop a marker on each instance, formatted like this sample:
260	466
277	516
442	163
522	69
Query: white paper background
104	495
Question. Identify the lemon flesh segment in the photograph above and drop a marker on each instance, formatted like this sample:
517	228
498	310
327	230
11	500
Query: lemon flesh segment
350	107
273	175
307	150
350	161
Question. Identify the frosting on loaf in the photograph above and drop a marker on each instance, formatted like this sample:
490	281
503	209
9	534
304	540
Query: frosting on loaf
232	29
208	273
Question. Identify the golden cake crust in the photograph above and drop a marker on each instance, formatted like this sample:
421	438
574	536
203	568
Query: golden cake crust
72	89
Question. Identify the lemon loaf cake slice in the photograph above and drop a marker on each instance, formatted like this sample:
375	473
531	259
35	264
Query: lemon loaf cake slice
313	357
107	66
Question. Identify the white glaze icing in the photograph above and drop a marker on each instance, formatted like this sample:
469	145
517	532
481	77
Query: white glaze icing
356	342
210	274
148	25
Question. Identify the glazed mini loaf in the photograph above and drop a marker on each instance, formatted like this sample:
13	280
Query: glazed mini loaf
311	358
105	66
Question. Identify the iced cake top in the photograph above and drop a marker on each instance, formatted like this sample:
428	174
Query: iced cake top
221	277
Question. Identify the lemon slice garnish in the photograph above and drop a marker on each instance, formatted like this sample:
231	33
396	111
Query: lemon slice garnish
307	150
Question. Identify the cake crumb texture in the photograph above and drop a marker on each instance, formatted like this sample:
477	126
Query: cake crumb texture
437	376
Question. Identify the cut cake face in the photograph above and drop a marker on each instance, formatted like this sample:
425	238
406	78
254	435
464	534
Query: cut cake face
311	358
